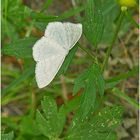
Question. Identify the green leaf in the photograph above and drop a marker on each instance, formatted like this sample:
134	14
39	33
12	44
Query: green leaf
93	24
8	136
14	15
92	81
80	81
111	12
100	83
21	48
26	123
71	105
44	18
18	81
88	98
71	12
68	60
46	5
9	122
99	127
51	123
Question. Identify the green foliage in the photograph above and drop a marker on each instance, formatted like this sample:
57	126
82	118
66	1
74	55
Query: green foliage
99	127
21	48
94	22
92	81
89	120
18	81
14	17
8	136
52	122
68	60
46	5
111	82
41	20
26	123
122	95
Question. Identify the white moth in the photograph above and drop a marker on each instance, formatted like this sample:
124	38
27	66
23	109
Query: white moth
50	51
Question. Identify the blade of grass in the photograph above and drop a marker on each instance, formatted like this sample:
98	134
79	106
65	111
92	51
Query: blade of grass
93	58
8	100
110	83
123	76
117	92
18	81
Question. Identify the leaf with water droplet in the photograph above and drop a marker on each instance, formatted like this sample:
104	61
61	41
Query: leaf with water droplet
51	121
98	127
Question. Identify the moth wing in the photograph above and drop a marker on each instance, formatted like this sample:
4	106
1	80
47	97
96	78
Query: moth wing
47	69
65	34
56	31
46	47
73	34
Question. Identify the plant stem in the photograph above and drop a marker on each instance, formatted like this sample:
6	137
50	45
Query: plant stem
29	31
88	53
113	40
33	103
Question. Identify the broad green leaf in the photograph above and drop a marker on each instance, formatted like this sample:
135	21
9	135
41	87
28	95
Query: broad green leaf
93	24
68	60
43	125
50	123
71	12
88	98
107	6
45	18
26	123
100	83
80	81
8	136
99	127
49	108
21	48
111	136
42	17
71	105
41	20
111	12
92	81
